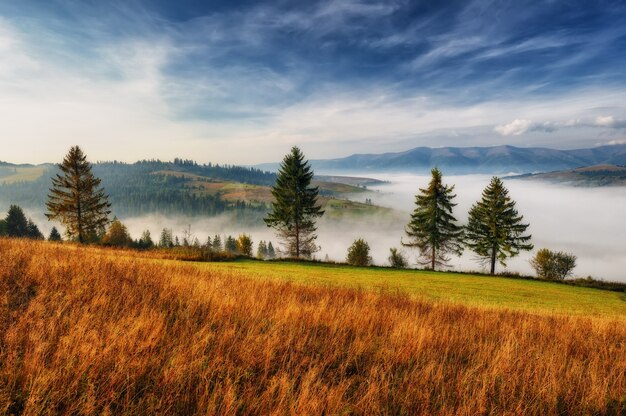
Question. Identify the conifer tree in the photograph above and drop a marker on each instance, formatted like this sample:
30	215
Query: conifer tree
271	253
433	229
294	209
54	235
217	243
495	230
77	200
166	239
261	251
230	245
32	231
146	240
16	222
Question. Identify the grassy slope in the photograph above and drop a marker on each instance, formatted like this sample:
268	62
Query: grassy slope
24	174
466	289
91	331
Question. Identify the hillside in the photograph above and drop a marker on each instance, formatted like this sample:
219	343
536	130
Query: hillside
599	175
93	331
469	160
180	187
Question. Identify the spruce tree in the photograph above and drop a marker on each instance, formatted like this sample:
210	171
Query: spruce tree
16	222
433	229
294	209
217	243
271	253
54	235
32	231
261	251
230	245
495	230
77	200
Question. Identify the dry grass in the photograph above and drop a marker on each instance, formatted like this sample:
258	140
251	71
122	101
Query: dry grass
82	333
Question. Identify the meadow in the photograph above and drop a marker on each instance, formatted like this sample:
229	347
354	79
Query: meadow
86	330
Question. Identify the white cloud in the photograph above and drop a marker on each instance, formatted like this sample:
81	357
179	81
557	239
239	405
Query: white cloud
514	128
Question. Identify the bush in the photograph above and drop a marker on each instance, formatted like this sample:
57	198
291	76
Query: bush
397	260
359	253
553	265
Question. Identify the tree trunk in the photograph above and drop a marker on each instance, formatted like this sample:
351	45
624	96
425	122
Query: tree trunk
297	240
493	260
432	259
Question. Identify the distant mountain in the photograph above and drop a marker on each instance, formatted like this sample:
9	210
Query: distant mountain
599	175
467	160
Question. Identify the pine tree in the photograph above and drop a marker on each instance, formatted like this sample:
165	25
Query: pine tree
32	231
433	229
209	244
77	200
16	222
261	251
230	245
217	243
271	253
54	235
495	230
166	241
146	240
295	208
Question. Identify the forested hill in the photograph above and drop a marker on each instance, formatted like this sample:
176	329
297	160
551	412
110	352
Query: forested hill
140	188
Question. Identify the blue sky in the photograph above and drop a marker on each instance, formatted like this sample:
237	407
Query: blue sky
241	82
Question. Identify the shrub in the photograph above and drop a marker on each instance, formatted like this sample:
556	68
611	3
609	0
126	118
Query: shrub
397	260
553	265
359	253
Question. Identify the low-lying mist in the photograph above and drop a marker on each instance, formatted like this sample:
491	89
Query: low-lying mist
588	222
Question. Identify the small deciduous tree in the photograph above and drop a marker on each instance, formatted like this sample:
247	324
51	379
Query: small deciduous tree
244	245
553	265
495	230
294	209
433	229
397	259
117	235
359	253
77	200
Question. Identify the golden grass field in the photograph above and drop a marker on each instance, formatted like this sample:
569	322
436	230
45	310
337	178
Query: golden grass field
95	331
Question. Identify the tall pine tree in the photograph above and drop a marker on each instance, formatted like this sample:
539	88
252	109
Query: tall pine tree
495	230
433	229
295	208
77	200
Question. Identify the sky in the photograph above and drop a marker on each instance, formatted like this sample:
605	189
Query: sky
243	81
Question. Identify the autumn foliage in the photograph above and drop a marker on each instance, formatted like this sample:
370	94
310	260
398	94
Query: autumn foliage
96	331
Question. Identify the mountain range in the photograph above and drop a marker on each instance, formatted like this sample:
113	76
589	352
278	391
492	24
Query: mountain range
467	160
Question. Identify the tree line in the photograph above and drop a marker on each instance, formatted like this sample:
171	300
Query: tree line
495	230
